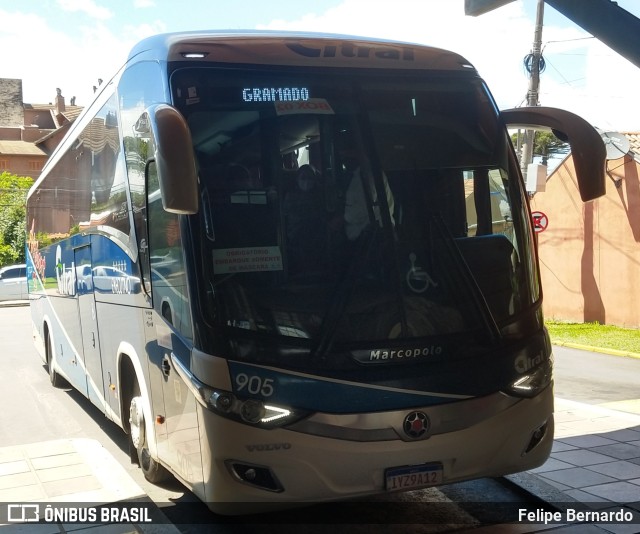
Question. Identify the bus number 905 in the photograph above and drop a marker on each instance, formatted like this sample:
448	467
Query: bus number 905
255	385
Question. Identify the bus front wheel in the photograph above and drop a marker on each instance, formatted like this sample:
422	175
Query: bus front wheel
151	469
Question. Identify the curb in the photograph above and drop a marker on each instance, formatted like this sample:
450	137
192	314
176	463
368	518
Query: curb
611	352
13	303
540	490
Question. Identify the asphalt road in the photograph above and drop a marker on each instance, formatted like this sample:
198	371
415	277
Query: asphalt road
595	378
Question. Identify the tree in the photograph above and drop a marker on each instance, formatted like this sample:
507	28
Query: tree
546	145
13	196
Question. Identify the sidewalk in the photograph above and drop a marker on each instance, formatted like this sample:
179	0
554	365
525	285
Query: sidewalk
594	466
68	473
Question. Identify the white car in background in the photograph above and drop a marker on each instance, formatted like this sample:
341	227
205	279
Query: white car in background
13	283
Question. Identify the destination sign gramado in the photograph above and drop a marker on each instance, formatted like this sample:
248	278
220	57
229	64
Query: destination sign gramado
288	100
275	94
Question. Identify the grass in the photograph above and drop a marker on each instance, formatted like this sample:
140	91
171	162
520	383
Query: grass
595	335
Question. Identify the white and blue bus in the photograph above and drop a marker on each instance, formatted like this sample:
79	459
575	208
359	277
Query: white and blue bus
297	268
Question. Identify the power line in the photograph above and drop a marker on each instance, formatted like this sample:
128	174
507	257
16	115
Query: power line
562	75
569	40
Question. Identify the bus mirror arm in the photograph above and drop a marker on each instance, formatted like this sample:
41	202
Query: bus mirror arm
175	161
587	148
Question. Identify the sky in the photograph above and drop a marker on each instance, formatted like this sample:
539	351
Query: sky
70	44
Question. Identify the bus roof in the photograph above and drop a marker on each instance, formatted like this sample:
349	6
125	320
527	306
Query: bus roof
295	49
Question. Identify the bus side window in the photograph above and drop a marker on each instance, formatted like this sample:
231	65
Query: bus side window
141	86
168	276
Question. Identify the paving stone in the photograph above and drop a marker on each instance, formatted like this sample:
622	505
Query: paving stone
578	477
622	451
620	492
581	457
621	470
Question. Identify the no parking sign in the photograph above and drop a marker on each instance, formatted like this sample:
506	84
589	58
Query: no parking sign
540	221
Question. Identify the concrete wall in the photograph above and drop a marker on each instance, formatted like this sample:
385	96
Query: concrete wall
590	253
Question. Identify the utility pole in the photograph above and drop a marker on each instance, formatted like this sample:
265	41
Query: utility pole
532	64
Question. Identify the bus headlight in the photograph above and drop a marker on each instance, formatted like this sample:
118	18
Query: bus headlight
252	411
249	411
222	401
534	381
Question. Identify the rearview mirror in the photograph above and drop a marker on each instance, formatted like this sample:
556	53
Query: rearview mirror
175	161
587	148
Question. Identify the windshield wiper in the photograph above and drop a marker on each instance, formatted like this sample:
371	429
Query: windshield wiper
460	266
343	291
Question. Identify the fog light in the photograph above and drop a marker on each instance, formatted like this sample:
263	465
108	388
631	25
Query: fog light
254	475
536	437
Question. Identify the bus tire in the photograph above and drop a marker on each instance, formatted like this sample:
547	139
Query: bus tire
151	469
56	380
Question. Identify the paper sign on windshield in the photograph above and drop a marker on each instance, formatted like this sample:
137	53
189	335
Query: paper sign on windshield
247	259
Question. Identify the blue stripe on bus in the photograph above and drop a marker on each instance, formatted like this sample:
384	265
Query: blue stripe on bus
324	394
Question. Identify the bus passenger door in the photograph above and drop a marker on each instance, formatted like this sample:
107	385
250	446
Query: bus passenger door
173	331
89	327
177	430
174	324
183	436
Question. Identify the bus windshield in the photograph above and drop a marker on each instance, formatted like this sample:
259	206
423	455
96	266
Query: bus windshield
345	210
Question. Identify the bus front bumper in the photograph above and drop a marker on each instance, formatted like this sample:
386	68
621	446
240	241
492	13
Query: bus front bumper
245	467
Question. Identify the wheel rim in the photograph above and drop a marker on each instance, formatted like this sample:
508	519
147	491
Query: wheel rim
136	422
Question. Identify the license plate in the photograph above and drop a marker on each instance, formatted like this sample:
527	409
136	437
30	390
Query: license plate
413	477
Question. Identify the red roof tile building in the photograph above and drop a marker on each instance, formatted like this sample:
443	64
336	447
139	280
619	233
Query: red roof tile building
30	132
